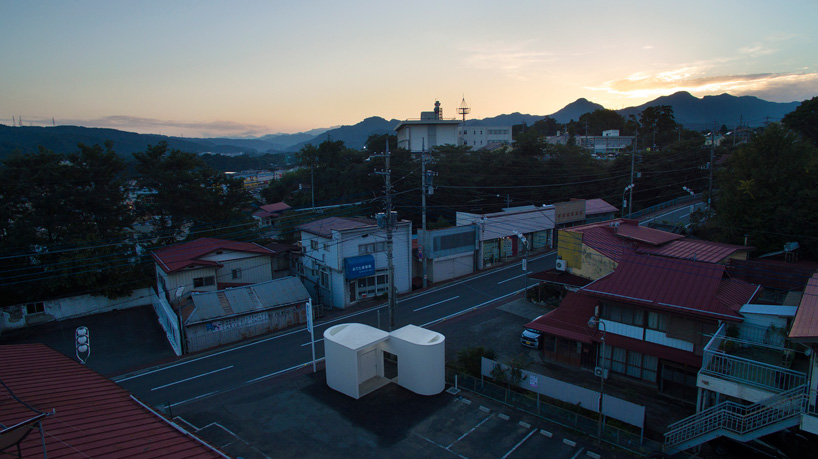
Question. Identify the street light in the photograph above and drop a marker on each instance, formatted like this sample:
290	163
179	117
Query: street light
624	202
594	322
689	191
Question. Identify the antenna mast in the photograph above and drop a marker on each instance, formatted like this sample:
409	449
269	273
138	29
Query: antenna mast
464	109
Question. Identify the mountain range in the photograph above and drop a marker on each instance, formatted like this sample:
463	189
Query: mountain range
692	112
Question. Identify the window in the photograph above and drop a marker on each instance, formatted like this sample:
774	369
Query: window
365	249
324	281
326	246
314	244
237	273
657	321
35	308
203	281
623	314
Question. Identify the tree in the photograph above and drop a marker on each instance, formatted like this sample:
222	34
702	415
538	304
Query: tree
188	192
63	226
768	190
657	125
804	120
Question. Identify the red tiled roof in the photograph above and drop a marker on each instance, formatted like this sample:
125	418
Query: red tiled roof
180	256
603	239
570	319
326	226
598	206
91	415
805	325
271	210
692	249
682	286
276	207
630	229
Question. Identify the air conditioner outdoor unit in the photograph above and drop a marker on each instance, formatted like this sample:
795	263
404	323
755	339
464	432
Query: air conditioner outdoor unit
561	264
601	372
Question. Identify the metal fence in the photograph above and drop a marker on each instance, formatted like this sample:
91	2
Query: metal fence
532	403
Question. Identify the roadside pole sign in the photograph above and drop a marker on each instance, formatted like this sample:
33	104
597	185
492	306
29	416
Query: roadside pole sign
310	329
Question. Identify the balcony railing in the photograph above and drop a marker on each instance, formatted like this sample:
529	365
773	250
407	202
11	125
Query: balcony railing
751	358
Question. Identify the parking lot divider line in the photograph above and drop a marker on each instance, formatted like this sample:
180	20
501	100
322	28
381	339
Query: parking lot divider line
520	443
435	304
470	431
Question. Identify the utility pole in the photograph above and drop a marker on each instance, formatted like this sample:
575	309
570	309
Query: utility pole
423	191
710	167
389	225
633	161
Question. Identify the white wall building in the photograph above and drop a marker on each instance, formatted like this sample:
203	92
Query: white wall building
344	259
477	137
431	130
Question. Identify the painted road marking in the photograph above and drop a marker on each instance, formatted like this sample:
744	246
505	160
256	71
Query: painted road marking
518	444
192	377
435	304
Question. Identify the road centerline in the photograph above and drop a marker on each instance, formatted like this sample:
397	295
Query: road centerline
192	377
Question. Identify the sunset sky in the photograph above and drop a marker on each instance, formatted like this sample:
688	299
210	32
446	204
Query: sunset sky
236	68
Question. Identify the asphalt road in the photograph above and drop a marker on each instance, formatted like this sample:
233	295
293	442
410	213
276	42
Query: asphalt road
677	216
224	370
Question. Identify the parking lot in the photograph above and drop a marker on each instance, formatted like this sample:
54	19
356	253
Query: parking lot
300	416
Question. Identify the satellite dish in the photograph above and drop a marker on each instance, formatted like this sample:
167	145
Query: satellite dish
180	291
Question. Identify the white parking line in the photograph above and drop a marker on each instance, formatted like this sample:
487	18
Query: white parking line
192	377
435	304
521	442
470	431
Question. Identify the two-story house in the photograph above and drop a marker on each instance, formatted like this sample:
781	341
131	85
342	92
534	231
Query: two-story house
655	316
344	260
209	264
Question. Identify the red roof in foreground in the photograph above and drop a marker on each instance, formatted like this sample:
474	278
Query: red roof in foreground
805	325
92	416
180	256
681	286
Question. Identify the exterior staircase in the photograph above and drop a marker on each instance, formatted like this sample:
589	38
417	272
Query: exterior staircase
737	421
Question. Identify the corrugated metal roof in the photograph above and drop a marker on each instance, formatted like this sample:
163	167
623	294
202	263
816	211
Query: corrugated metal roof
805	325
176	257
692	249
326	226
686	287
92	416
247	299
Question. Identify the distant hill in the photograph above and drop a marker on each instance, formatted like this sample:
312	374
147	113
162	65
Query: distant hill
692	112
354	136
700	114
506	120
64	139
574	110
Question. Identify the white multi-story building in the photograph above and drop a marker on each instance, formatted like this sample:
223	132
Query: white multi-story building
477	137
344	259
431	130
